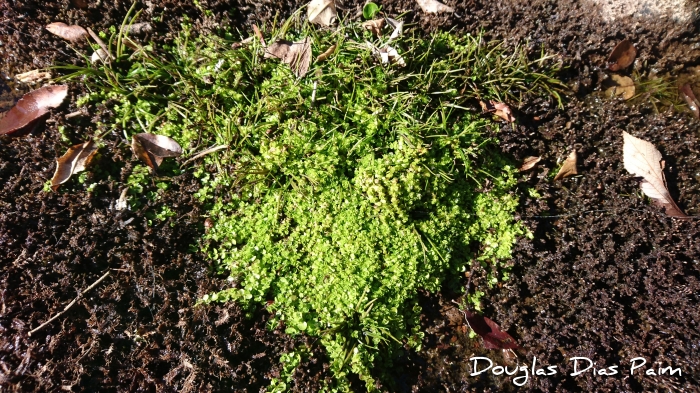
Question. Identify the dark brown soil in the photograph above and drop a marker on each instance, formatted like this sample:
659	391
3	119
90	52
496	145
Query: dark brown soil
607	276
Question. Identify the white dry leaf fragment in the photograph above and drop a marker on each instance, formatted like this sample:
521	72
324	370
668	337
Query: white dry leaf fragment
322	12
33	76
398	28
529	163
296	54
499	109
386	55
99	55
433	6
74	161
71	33
568	168
643	159
121	202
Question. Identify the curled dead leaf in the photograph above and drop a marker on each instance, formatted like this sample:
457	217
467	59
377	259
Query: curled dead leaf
322	12
33	76
327	53
568	168
689	97
398	28
619	86
374	26
387	55
76	159
151	148
31	107
643	159
622	56
529	163
433	6
499	109
494	337
71	33
296	54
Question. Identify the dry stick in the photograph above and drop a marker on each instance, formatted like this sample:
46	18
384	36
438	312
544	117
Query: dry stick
100	43
259	34
80	294
205	152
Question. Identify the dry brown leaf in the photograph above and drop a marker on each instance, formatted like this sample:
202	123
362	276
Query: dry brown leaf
689	97
296	54
622	56
33	76
322	12
499	109
325	55
76	159
433	6
643	159
72	33
620	86
374	26
31	107
568	168
151	148
529	163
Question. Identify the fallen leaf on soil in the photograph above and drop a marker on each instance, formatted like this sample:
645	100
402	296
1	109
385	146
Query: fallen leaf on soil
31	107
322	12
398	28
620	86
33	76
689	97
499	109
642	159
622	56
529	163
433	6
568	168
494	337
72	33
374	26
151	148
75	160
325	55
296	54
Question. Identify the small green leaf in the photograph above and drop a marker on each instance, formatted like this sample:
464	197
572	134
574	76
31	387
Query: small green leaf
370	10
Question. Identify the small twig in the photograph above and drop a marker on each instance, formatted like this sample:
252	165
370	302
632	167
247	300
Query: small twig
80	294
100	43
204	152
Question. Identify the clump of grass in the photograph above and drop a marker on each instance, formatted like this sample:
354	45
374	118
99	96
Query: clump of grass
334	212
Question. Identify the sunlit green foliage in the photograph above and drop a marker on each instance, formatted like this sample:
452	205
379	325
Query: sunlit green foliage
343	193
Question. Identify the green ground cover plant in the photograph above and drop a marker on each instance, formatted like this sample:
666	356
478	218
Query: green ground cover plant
343	193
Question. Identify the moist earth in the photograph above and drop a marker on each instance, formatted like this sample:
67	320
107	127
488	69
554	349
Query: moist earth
607	276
